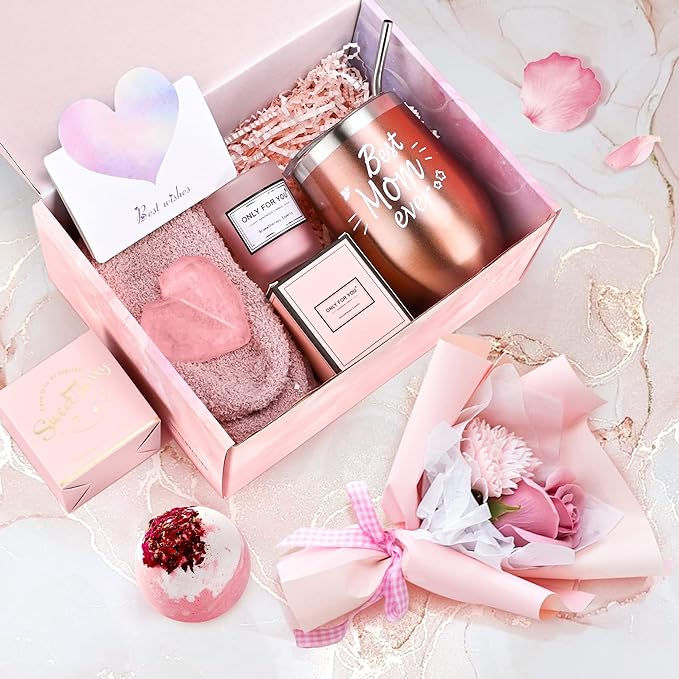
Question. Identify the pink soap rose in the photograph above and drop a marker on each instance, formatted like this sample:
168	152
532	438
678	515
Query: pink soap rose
549	514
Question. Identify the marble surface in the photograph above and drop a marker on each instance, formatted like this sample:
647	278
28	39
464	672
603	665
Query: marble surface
602	290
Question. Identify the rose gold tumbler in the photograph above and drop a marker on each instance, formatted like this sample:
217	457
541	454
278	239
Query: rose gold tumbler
415	211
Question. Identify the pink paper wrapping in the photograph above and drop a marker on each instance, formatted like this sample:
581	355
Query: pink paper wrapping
442	396
325	585
322	585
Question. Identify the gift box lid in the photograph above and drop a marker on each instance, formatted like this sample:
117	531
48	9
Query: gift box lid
63	53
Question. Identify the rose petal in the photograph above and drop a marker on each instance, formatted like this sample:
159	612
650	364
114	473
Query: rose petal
523	537
633	152
565	520
576	493
559	477
537	512
526	536
557	92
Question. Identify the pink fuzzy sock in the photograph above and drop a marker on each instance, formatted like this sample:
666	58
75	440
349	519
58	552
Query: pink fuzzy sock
246	388
300	381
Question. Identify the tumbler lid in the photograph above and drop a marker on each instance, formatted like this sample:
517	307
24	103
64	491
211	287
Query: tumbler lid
311	156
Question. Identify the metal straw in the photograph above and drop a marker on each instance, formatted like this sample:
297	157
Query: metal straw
380	58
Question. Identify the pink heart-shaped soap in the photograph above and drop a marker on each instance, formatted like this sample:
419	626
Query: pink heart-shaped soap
130	142
201	315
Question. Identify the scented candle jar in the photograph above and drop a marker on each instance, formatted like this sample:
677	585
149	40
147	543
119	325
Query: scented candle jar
261	224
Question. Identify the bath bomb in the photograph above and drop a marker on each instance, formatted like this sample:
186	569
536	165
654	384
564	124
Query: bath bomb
192	564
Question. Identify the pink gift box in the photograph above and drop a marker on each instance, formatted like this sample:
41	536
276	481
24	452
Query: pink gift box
80	420
242	56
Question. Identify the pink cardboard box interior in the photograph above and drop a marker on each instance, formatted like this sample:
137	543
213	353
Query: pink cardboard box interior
242	55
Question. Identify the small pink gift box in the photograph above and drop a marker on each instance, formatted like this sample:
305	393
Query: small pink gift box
242	56
80	420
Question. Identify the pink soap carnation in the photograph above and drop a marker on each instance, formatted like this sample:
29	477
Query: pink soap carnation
498	458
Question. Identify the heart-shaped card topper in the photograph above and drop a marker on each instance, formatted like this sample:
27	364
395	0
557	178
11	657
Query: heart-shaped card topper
131	141
201	315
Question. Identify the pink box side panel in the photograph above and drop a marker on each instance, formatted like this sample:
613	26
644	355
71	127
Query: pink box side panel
171	397
520	201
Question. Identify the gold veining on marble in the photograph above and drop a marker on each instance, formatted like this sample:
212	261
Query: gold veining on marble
18	263
623	433
528	351
620	313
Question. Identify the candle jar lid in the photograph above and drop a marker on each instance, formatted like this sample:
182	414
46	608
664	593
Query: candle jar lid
246	183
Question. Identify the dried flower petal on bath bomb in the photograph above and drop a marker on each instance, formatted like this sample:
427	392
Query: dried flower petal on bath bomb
558	92
633	152
174	540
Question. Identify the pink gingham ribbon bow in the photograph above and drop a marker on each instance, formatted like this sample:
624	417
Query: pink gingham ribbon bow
368	534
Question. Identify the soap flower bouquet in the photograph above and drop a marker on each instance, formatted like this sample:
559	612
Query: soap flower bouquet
490	494
499	495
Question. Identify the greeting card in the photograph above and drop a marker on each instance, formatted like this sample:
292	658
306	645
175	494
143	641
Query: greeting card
124	172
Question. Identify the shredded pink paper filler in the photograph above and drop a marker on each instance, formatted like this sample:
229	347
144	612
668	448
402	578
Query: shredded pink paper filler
323	97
